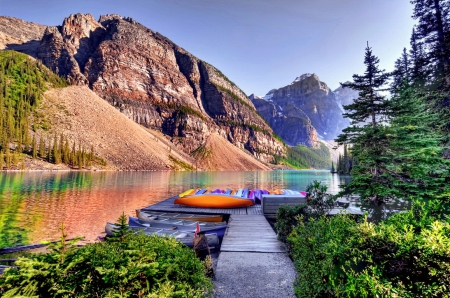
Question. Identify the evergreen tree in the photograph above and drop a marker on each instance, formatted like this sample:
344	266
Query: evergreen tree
433	25
122	230
66	152
49	151
419	73
370	105
333	170
56	151
34	147
367	132
402	71
41	147
417	167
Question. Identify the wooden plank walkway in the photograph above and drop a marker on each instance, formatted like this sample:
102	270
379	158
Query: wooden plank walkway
251	233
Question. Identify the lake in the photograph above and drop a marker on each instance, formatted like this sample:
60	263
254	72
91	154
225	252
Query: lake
34	204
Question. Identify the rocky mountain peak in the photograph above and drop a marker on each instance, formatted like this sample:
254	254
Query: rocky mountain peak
308	105
345	96
253	97
156	83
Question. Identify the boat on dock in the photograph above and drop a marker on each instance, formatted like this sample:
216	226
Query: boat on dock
183	216
142	215
216	199
219	230
243	197
186	238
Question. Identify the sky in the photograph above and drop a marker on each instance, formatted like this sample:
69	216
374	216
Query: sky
258	44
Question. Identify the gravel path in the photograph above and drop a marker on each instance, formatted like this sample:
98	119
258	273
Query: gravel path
244	274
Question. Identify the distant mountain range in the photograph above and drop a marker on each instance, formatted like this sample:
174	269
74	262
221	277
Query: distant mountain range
154	82
305	111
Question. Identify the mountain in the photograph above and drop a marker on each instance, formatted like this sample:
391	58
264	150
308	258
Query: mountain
122	143
16	34
305	111
157	84
290	122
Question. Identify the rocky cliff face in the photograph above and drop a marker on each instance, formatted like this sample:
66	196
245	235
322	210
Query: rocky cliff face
304	111
290	123
156	83
16	34
345	96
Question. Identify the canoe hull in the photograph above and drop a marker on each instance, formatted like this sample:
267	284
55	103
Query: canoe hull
219	230
187	216
214	201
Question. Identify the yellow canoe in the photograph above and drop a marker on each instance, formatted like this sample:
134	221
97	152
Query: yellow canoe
214	201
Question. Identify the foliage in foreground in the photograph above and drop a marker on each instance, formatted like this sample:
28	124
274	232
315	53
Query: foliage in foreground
407	255
319	204
131	266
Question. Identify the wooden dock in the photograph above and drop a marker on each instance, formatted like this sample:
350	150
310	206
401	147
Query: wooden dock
250	233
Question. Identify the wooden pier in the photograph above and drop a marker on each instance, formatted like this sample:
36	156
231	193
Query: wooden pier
250	233
252	262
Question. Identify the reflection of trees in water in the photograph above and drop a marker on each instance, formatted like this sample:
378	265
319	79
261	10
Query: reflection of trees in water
10	203
33	204
20	190
380	212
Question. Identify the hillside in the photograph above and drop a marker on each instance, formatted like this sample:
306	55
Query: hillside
19	35
41	121
82	115
156	83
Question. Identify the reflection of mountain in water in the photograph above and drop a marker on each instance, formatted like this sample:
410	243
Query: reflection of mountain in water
33	204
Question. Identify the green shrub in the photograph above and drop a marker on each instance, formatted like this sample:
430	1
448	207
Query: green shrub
287	219
407	255
320	203
141	266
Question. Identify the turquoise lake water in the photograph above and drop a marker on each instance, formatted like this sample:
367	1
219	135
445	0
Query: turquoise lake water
34	204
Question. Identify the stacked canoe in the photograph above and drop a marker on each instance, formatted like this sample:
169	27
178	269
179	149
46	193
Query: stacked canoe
174	225
228	198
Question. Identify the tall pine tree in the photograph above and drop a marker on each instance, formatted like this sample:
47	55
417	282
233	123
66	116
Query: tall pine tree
367	132
433	29
417	168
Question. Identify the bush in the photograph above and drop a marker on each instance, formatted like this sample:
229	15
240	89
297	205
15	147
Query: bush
140	266
286	220
407	255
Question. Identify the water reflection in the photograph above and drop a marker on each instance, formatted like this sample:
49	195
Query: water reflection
33	204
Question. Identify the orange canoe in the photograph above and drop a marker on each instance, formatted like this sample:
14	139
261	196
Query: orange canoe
214	201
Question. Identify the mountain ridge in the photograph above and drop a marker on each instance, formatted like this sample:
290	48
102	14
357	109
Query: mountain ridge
305	111
156	83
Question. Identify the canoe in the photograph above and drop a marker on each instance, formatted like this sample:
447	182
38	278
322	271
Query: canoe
215	201
188	192
201	191
174	220
185	216
186	238
136	222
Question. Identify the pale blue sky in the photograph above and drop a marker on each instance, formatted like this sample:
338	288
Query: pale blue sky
258	44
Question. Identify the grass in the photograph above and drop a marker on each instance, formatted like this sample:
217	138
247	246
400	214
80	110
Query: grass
181	164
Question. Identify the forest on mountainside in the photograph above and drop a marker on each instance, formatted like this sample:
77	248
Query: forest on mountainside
302	157
23	131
